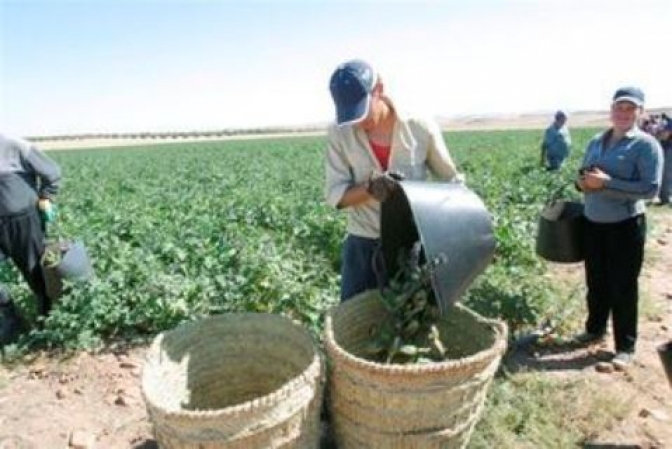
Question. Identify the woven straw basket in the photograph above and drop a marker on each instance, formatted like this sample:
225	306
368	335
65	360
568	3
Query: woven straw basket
235	381
435	405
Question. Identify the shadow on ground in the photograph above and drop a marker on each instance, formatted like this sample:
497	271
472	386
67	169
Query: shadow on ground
147	444
614	446
533	356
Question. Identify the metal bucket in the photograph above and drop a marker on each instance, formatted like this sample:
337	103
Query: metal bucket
74	265
665	353
560	239
450	221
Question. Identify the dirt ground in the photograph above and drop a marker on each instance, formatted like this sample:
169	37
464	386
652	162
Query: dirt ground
94	399
644	385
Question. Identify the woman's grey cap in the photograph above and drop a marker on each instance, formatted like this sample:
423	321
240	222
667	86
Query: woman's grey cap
632	94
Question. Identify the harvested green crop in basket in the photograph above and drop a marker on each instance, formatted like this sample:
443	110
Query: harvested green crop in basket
411	334
52	256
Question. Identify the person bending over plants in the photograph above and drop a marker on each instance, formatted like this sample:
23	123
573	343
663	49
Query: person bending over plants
29	181
371	147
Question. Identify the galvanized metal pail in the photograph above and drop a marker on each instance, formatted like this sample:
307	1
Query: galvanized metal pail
73	264
450	221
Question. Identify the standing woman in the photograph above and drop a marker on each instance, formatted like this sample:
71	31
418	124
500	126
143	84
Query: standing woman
622	168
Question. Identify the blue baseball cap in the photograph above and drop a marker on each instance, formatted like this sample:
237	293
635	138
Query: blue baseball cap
560	115
351	85
632	94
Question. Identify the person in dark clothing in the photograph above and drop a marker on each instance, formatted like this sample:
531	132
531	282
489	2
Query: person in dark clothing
621	170
665	138
29	181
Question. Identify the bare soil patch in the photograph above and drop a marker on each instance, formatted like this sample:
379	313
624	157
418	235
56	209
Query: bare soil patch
644	385
93	397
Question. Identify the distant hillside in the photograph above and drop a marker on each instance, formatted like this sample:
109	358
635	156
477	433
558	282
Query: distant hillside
535	120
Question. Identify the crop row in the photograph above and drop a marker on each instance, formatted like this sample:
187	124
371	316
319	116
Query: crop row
183	230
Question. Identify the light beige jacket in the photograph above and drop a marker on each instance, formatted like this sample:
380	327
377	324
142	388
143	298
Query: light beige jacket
417	145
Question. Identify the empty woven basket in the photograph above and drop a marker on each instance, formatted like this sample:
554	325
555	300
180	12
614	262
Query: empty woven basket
234	381
435	405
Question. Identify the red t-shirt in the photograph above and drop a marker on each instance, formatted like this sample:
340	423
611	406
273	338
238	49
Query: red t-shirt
382	153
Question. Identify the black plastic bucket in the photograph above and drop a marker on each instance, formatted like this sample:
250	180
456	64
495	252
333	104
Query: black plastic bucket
665	353
561	239
450	221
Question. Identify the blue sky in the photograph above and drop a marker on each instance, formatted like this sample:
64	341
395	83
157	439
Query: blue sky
147	65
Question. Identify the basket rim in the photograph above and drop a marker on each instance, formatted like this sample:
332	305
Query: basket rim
398	369
310	375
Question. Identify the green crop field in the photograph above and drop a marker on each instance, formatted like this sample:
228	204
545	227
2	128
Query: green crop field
183	230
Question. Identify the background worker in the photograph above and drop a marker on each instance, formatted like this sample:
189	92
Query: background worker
556	144
665	139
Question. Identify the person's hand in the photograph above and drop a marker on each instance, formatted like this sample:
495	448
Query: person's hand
47	210
381	185
595	179
592	179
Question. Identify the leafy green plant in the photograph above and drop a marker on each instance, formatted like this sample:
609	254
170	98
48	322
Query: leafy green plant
183	230
410	335
52	256
54	252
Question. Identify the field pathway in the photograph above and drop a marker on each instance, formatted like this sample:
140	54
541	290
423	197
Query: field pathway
649	420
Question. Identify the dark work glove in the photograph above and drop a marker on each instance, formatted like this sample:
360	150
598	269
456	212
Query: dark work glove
381	185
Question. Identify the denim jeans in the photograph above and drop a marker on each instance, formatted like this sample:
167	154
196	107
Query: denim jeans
357	267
